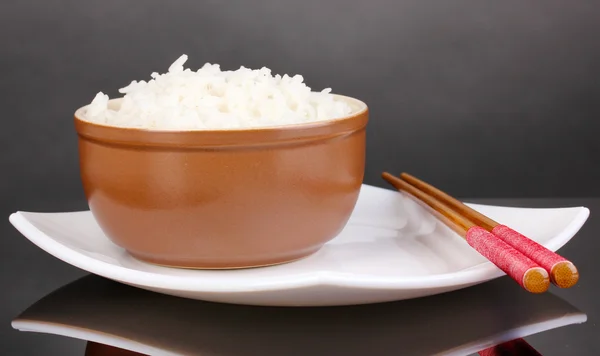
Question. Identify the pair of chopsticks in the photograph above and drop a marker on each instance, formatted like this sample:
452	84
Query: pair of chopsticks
530	264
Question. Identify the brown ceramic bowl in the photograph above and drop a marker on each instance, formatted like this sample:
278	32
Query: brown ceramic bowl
223	198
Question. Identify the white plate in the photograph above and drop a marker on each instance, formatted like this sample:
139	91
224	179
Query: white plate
392	249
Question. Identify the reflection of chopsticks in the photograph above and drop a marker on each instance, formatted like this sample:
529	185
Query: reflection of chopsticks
513	347
519	267
563	273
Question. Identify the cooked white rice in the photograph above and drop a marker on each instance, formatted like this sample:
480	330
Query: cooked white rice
209	98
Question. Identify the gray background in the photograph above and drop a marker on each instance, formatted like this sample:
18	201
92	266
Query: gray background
483	98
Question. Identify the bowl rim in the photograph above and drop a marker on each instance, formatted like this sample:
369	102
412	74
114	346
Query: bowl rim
210	138
359	103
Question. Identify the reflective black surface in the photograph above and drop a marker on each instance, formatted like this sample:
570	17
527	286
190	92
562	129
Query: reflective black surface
49	292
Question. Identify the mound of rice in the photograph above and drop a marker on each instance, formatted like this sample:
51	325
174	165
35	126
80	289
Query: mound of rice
209	98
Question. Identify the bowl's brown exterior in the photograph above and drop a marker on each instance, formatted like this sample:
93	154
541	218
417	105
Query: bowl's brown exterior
223	199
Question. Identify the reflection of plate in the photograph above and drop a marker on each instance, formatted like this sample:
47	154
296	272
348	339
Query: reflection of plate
460	323
391	249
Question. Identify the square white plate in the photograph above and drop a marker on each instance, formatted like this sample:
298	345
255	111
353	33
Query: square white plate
391	249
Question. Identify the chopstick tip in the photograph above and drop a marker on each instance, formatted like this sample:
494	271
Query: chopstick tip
564	274
536	280
387	176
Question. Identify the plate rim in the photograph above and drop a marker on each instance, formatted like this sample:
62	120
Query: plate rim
472	275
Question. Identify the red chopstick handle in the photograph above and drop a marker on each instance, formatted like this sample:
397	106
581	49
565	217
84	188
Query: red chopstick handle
516	265
514	347
563	273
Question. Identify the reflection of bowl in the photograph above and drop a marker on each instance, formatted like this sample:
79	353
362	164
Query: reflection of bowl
223	198
97	349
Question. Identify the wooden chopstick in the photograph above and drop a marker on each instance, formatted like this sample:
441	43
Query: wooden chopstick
563	272
519	267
